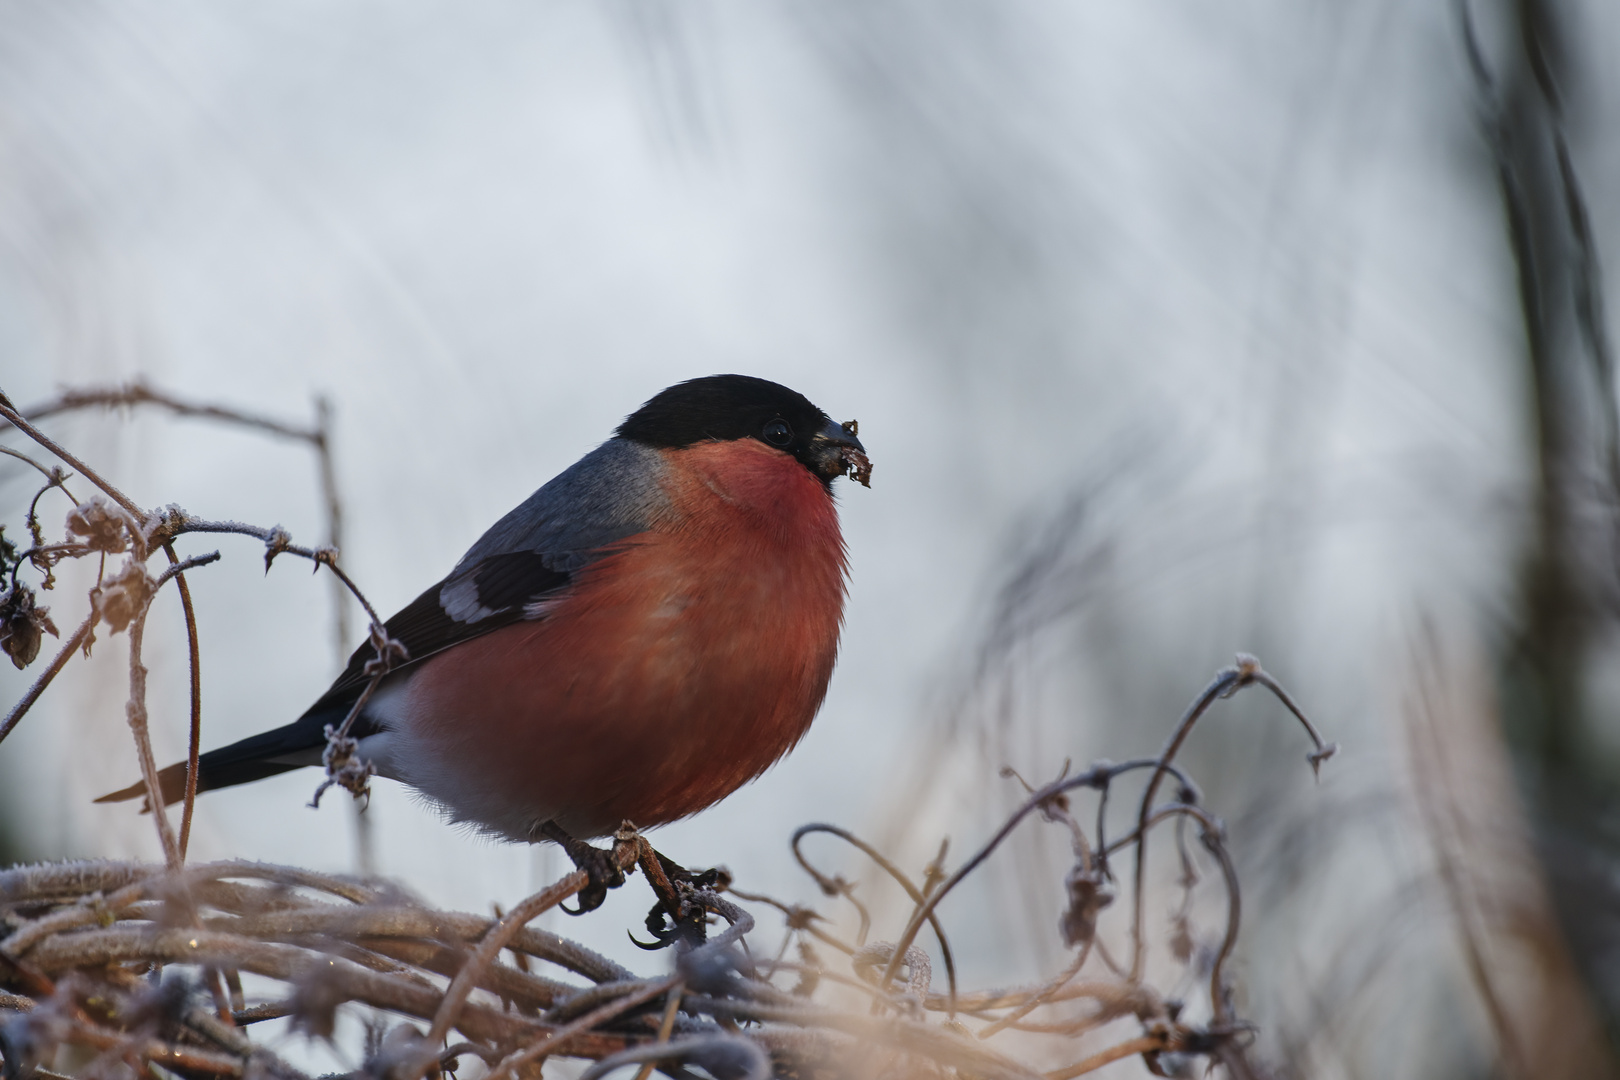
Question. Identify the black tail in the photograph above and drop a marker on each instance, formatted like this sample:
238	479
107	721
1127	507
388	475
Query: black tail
254	758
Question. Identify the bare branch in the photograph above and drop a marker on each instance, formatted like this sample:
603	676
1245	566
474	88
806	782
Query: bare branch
493	942
194	743
889	868
139	392
63	655
8	413
136	712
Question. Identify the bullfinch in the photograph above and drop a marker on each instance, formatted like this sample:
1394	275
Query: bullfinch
646	633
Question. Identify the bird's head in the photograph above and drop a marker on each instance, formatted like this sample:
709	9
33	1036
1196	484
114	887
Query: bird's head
722	408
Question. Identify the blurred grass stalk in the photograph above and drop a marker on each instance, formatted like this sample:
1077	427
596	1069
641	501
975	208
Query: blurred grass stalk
1485	859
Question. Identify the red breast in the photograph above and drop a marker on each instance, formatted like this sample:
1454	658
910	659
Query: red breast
671	673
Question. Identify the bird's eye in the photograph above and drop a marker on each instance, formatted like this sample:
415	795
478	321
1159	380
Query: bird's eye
777	433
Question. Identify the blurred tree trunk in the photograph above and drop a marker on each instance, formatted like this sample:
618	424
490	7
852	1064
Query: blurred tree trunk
1568	602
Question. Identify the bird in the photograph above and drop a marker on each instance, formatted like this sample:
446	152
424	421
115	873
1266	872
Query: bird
649	631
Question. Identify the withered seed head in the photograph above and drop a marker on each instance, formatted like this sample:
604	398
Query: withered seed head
23	625
102	527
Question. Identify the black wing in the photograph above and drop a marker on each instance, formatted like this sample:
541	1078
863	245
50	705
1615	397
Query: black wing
503	585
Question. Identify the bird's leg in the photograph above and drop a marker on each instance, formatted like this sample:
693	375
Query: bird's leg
604	868
716	877
679	914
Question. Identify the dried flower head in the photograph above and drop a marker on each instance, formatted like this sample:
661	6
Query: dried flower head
1089	892
8	553
100	524
23	625
124	595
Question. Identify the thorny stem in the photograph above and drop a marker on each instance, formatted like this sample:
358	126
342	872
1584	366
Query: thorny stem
1117	995
1040	998
140	393
194	744
179	522
1104	849
23	939
781	953
509	1066
1227	681
665	1027
1113	999
1144	1045
965	1053
894	872
821	972
184	1058
321	439
136	710
1098	776
491	945
1210	835
175	570
62	656
55	478
80	635
837	886
337	737
399	991
739	922
318	436
798	918
80	467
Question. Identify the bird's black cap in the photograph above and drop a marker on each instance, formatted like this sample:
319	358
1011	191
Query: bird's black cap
721	408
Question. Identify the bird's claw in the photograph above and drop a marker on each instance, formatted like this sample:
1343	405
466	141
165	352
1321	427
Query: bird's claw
601	867
679	915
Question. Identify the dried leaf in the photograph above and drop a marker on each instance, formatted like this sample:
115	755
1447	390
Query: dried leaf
23	625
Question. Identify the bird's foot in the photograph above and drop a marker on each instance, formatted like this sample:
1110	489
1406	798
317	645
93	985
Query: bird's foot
604	868
680	914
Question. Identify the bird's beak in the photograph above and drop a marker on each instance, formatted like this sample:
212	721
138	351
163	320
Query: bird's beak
835	451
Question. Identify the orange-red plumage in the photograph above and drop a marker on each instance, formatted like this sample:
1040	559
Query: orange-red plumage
672	673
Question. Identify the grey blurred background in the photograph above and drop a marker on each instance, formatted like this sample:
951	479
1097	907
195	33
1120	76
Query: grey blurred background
1174	329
